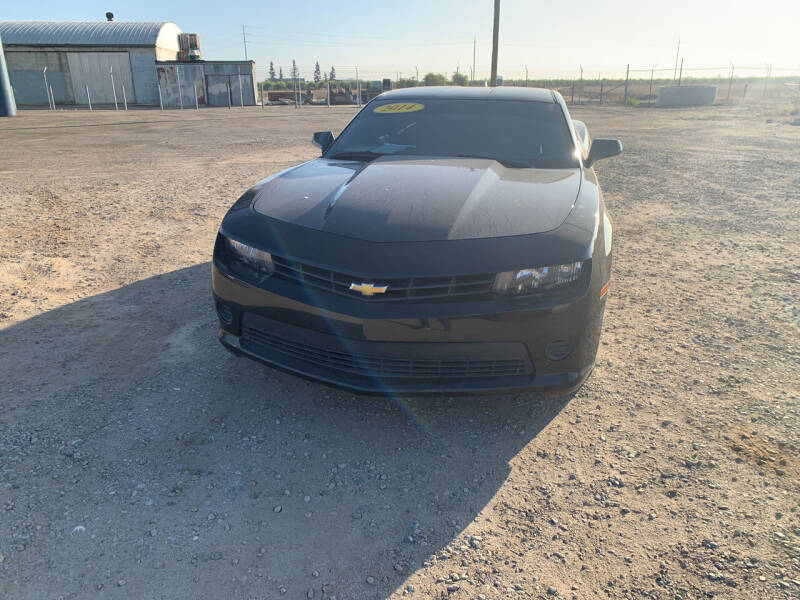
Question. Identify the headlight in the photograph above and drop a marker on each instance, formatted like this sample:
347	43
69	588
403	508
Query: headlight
247	260
529	281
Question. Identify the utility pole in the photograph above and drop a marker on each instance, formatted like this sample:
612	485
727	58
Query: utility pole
495	35
474	45
677	53
244	39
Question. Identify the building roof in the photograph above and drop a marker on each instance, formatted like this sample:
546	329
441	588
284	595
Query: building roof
470	93
81	33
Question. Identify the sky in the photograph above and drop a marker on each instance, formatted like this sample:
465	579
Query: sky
387	38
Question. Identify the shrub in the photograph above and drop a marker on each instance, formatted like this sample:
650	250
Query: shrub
434	79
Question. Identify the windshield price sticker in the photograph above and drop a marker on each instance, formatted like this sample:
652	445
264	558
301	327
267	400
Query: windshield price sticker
399	107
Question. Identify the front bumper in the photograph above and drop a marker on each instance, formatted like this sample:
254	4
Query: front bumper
408	348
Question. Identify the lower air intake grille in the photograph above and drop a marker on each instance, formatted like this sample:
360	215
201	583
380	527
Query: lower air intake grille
388	367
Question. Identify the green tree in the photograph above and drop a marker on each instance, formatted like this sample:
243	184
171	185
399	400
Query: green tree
405	83
271	71
332	76
434	79
280	73
317	73
460	79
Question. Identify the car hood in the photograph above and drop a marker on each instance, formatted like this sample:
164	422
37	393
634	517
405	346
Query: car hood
394	199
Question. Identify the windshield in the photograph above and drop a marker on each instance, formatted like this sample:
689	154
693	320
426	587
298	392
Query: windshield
515	133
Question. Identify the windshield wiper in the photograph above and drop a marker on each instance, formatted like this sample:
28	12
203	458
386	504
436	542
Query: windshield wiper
362	155
506	162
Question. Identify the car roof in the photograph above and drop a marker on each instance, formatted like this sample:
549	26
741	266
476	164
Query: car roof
470	93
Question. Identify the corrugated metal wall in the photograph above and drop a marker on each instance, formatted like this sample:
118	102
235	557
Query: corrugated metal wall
25	71
143	70
71	70
95	69
215	83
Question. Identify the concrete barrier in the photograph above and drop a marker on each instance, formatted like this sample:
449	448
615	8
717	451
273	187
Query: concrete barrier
686	95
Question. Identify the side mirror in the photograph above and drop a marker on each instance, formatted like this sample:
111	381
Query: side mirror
323	140
602	148
582	133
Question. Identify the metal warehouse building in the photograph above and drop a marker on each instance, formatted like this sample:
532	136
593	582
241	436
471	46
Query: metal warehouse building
145	58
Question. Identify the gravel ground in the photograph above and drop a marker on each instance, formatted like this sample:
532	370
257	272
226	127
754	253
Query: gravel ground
138	459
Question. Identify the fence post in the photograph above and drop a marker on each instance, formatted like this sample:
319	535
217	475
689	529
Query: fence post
680	74
196	101
124	97
230	93
730	84
204	84
47	89
113	88
180	91
627	78
88	98
650	93
160	97
241	98
602	81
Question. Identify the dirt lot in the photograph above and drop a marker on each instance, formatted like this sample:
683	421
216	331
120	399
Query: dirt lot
138	459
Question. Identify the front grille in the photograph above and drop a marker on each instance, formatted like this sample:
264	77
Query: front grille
386	367
416	288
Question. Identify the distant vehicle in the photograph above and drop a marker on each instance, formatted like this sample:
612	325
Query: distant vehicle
449	240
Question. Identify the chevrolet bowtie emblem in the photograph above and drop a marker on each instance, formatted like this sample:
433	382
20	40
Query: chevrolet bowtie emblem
368	289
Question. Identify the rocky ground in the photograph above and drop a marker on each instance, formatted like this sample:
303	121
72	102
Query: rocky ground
139	460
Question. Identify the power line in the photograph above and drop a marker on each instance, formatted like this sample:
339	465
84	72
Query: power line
337	44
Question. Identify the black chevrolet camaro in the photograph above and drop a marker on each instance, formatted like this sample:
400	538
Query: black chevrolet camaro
449	240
